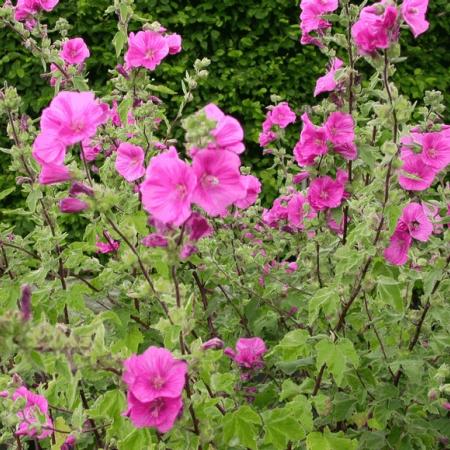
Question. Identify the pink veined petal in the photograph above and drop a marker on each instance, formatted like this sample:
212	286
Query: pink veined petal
397	251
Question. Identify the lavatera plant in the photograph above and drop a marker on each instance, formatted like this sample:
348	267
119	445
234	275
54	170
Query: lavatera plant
174	311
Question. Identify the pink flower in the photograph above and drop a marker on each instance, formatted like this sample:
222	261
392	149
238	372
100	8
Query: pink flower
90	151
298	178
53	174
159	413
154	374
198	227
69	443
168	188
74	51
47	5
214	343
435	150
73	116
327	83
228	133
324	192
187	251
27	8
340	130
376	28
282	115
414	175
111	246
174	43
415	221
291	268
146	49
48	149
219	182
249	352
413	12
71	205
130	161
253	188
155	240
312	143
311	18
35	404
397	251
266	137
295	211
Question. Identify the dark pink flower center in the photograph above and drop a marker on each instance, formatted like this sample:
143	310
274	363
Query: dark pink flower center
415	225
156	406
77	126
149	54
431	152
158	382
181	188
210	180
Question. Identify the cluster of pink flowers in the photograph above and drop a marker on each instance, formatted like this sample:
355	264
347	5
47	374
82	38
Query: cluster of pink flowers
70	118
327	83
26	9
279	116
287	213
338	133
312	21
423	155
213	181
155	383
378	25
413	224
35	405
148	48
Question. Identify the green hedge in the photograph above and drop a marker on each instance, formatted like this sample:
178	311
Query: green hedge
255	51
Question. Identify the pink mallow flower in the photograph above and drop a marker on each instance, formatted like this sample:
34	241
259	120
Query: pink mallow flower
397	251
74	51
340	129
155	240
168	188
266	137
435	150
130	161
110	246
415	221
53	174
312	143
327	83
48	149
249	352
25	9
282	115
324	193
146	49
253	188
160	413
174	42
311	19
376	28
413	12
153	374
414	175
73	116
412	224
219	182
35	405
197	227
228	133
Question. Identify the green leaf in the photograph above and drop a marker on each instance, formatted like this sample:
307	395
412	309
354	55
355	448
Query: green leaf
239	427
326	300
329	441
118	41
280	428
388	291
138	439
161	89
6	192
123	109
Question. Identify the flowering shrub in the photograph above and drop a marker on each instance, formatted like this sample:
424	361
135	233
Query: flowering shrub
189	316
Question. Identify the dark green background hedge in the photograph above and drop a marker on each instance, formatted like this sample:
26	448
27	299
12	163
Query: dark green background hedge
255	51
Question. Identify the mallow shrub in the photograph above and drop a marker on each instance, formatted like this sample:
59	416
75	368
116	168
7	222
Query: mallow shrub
188	316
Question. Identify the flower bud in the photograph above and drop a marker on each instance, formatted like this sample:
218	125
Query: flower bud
79	188
25	302
214	343
70	205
